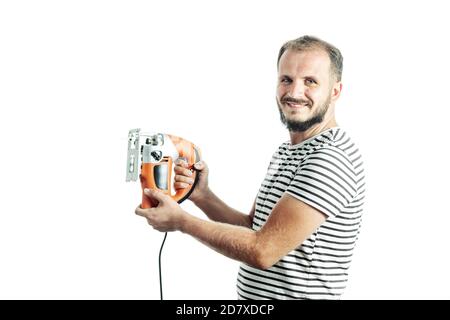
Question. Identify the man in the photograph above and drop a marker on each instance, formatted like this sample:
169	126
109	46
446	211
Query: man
297	241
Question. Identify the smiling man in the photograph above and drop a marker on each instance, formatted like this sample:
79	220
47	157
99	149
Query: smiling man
297	240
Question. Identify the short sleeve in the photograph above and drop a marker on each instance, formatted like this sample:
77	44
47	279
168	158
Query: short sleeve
325	180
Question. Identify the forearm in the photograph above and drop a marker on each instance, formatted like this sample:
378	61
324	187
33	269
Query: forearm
219	211
235	242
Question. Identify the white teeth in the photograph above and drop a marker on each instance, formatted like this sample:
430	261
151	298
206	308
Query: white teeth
297	104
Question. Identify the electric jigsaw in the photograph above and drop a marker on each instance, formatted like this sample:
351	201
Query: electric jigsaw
151	157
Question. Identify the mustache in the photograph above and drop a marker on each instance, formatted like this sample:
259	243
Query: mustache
296	101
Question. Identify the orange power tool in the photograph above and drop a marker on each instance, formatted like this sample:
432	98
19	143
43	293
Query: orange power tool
154	155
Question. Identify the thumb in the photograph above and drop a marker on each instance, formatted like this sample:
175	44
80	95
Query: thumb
155	194
200	165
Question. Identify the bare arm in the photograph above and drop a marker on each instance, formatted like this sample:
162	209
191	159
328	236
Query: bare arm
290	223
219	211
206	200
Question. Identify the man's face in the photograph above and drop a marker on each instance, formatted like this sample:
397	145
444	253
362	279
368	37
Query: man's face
304	90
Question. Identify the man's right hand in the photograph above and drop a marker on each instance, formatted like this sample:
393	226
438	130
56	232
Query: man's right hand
183	179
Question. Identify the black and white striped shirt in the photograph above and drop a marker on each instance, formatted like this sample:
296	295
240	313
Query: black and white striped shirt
326	172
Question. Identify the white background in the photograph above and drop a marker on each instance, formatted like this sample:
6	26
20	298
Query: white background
75	76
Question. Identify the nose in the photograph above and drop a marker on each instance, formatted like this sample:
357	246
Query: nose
297	89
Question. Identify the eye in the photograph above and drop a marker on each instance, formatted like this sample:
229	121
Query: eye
285	80
309	81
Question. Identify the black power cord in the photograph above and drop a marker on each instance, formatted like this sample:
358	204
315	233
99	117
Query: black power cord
160	276
165	235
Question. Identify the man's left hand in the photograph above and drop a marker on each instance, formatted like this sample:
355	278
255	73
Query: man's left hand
167	216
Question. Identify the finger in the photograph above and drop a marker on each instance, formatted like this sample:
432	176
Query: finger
181	162
141	212
181	185
182	171
179	178
200	165
155	194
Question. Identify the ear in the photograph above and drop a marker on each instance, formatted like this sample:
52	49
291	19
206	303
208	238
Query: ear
336	90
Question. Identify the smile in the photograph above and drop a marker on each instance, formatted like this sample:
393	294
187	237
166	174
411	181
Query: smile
296	105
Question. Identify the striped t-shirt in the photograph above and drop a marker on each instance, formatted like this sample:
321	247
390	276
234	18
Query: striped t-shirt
326	172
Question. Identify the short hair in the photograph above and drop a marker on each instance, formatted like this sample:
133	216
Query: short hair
310	42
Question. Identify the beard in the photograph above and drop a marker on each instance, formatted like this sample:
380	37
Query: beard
301	126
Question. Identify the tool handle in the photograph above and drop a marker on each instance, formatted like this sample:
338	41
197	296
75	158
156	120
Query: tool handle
152	177
183	194
191	153
159	175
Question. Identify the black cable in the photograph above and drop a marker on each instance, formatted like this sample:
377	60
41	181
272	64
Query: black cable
160	277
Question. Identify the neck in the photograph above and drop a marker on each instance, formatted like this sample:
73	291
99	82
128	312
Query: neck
298	137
